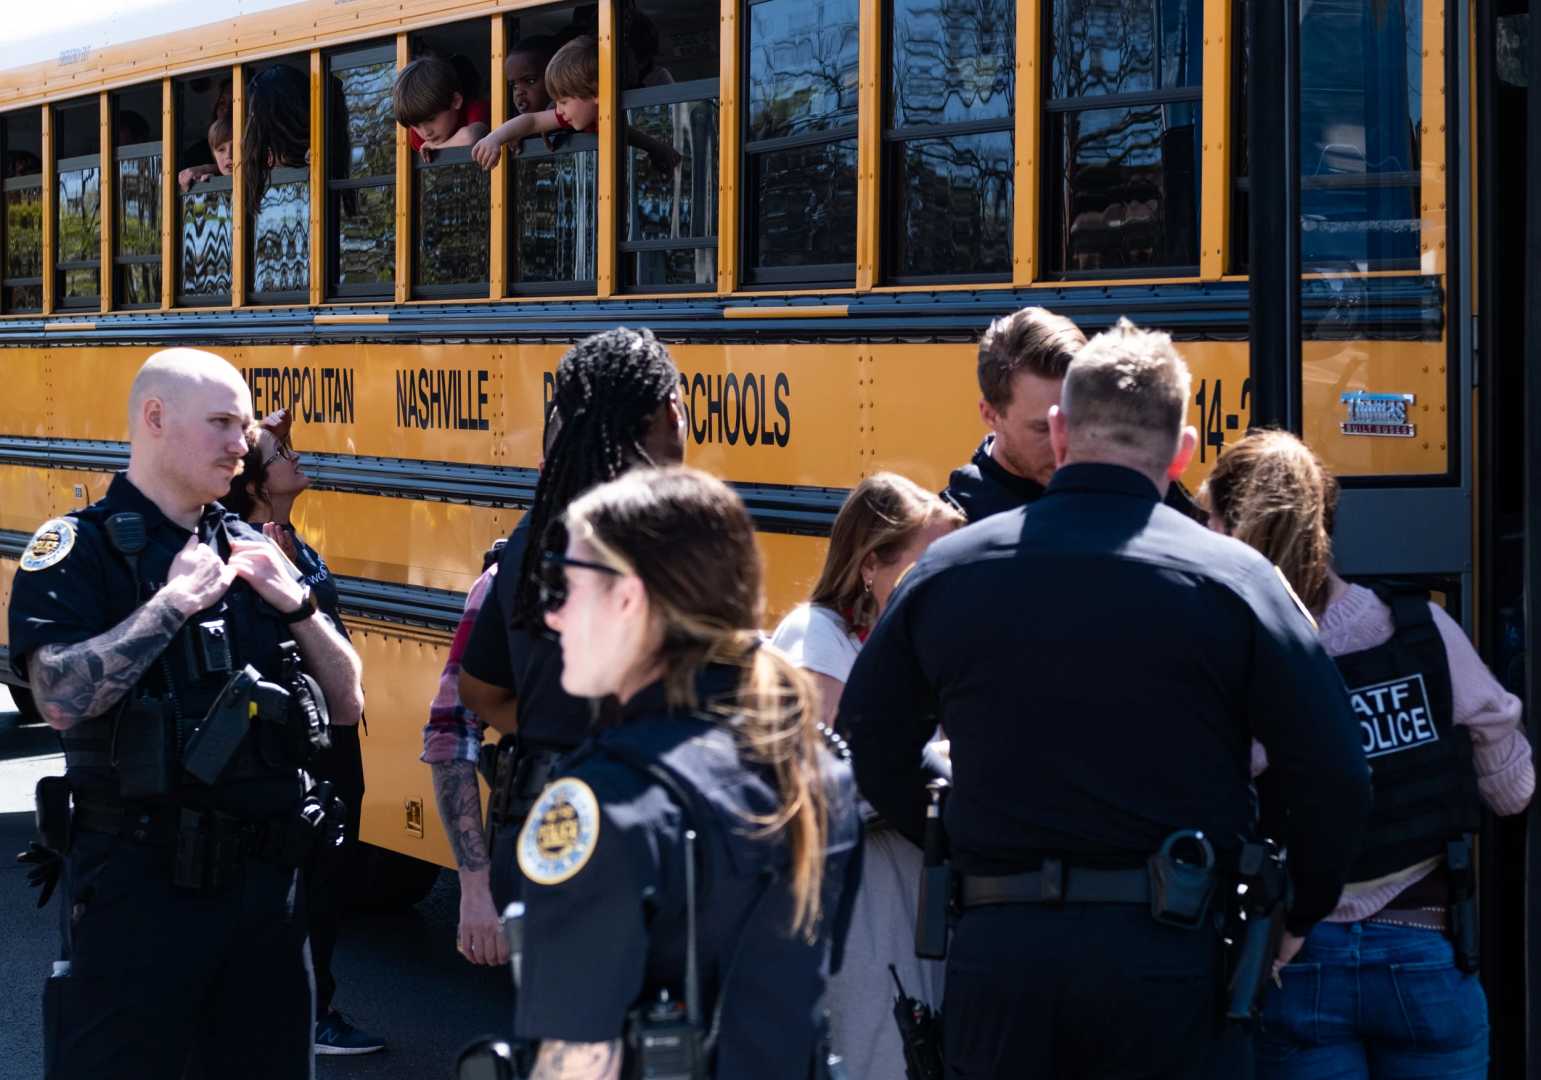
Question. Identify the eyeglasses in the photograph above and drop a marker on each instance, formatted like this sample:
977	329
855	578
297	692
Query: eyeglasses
285	452
553	577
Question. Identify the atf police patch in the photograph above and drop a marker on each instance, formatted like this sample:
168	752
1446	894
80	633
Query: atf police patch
560	833
50	544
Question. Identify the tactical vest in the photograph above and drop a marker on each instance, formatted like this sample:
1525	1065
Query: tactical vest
762	969
1420	762
134	749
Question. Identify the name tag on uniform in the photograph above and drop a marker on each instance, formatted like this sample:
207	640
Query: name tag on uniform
1394	716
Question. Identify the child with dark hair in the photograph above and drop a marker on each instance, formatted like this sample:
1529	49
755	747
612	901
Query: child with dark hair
277	131
525	70
430	100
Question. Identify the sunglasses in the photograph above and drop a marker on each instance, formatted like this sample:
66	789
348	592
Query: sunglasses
553	577
285	452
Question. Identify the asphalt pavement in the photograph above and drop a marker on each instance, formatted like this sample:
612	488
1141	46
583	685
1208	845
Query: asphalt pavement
398	973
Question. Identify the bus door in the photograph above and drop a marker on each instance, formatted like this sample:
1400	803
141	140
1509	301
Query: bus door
1394	295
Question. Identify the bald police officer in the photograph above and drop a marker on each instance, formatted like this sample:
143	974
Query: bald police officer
131	619
1100	663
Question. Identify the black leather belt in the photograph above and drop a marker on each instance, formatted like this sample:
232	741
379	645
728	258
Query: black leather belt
1054	883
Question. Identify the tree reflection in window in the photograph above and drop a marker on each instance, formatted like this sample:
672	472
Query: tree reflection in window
949	139
1122	136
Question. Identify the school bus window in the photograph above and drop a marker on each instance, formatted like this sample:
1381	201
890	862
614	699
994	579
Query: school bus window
203	141
21	144
1121	163
948	136
452	195
669	66
137	154
800	142
554	181
1361	122
361	171
276	150
77	158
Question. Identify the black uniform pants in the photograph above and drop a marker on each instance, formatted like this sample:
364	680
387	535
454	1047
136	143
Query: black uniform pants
159	976
326	878
1082	991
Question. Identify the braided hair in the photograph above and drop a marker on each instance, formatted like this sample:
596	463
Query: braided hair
608	387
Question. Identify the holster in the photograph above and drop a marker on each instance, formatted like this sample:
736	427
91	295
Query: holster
1465	937
520	774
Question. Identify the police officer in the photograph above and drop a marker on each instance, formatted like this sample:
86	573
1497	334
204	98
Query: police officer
1099	663
1022	362
714	797
132	619
616	406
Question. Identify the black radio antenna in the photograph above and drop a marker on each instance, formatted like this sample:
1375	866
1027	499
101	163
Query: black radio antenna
692	972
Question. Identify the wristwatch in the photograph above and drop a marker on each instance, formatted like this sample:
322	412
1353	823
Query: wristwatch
306	609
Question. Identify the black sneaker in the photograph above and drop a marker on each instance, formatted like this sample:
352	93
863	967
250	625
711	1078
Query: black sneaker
334	1035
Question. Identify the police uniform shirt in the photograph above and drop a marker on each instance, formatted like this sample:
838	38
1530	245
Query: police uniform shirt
1100	664
81	588
529	664
603	857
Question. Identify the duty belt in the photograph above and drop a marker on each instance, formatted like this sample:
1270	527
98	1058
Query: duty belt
158	826
1054	883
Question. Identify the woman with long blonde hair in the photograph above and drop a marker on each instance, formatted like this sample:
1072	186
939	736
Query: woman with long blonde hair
1375	989
884	526
655	588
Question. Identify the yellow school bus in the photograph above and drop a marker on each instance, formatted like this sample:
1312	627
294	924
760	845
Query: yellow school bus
862	186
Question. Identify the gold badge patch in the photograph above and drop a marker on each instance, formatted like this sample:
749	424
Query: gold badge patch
50	544
560	833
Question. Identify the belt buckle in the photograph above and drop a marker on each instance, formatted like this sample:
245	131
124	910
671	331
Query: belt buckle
1051	879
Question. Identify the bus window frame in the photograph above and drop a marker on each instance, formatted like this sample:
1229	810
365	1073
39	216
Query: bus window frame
751	275
893	140
368	54
33	182
280	176
535	148
1049	193
469	290
134	152
680	93
77	163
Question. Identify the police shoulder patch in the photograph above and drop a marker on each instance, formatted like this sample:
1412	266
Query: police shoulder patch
559	835
53	540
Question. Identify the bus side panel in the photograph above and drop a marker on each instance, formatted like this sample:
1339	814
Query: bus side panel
1332	368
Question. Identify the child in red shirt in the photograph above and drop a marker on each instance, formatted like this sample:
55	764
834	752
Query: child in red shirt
429	102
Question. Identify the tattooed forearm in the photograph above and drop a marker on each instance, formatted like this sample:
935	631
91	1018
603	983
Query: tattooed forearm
75	682
460	808
578	1061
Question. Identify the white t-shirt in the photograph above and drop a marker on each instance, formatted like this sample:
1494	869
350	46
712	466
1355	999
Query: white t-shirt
817	639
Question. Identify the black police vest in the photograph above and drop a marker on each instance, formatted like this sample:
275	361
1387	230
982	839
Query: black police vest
179	687
766	976
1420	762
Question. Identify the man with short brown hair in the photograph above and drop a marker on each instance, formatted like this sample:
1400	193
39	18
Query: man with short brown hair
1022	361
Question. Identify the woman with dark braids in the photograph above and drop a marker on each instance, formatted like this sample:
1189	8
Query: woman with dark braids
617	406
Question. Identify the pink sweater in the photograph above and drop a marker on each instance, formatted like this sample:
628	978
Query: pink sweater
1506	776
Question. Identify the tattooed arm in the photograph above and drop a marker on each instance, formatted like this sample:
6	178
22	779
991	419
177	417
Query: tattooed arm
458	793
578	1061
74	682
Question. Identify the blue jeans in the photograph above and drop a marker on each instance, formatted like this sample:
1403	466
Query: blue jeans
1367	1001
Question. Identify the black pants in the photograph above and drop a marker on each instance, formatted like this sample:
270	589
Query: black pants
1084	991
159	976
325	880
